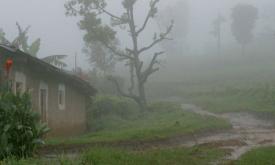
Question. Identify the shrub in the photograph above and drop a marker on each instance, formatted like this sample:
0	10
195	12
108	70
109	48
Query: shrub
112	105
20	127
106	109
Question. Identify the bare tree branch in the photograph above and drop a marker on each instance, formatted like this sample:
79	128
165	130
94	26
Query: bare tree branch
150	70
120	91
132	78
149	15
118	53
139	73
154	59
132	26
163	36
109	13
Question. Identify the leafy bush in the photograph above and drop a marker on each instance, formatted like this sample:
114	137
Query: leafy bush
112	105
20	127
106	108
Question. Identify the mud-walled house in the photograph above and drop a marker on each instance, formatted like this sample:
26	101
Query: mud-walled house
60	98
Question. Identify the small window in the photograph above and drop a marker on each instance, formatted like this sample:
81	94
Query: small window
61	96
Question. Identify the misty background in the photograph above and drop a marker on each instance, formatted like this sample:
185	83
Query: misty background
60	34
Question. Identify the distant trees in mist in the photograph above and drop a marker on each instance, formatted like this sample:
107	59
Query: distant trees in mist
217	30
179	12
244	18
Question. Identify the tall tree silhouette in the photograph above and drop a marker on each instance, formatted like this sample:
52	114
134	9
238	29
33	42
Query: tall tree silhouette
217	31
96	31
244	19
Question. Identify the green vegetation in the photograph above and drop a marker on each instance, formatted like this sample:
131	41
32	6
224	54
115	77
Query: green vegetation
220	96
119	119
20	127
22	41
258	99
258	156
107	156
106	110
176	156
104	35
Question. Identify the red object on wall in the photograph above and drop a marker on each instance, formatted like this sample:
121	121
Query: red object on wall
8	65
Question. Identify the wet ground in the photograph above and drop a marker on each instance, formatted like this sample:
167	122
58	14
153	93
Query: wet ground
248	132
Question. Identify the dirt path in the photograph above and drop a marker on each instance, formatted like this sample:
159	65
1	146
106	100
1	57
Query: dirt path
248	132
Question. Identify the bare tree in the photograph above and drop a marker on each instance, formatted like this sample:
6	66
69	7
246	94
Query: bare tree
96	31
216	32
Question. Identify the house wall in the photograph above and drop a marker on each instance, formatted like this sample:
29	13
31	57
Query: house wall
67	122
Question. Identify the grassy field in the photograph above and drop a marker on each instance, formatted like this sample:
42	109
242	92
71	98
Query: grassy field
220	103
220	97
259	100
164	120
259	156
111	156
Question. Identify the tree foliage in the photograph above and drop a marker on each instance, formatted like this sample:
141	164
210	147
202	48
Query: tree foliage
99	32
96	37
20	128
244	19
21	41
101	58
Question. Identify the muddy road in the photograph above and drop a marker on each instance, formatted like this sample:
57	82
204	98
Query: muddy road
247	132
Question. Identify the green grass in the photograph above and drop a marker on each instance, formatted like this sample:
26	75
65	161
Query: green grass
112	156
161	122
178	156
62	160
258	98
234	103
259	156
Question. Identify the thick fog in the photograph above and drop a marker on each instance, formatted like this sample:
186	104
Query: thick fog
61	35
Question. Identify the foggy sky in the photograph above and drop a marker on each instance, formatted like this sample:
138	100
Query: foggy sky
60	34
